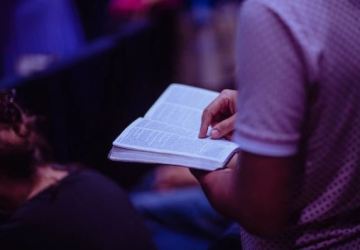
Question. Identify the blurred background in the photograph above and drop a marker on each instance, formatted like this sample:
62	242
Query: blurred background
90	67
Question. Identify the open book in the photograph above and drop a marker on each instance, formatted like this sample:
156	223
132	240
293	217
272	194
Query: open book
168	133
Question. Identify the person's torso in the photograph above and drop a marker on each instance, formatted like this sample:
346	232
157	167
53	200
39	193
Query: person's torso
327	205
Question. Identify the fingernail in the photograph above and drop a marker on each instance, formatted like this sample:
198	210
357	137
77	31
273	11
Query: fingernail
215	133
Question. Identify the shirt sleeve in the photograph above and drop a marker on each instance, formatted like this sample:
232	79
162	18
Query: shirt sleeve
271	81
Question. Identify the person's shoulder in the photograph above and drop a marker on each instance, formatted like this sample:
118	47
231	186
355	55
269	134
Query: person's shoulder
79	189
266	4
272	6
88	175
260	10
91	181
300	18
266	14
285	9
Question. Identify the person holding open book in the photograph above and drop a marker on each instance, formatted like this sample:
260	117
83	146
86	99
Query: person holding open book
296	120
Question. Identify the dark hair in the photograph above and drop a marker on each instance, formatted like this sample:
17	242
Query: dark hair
22	147
17	163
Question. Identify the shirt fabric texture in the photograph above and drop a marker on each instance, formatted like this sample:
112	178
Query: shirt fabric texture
298	76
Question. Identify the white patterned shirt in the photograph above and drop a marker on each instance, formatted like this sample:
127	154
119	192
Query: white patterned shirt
298	78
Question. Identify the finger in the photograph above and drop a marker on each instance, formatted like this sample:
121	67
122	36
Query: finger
209	114
206	119
229	136
223	128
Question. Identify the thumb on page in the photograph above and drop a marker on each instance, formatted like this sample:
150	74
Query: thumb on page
223	128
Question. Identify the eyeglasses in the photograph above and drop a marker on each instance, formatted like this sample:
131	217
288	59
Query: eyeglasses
10	112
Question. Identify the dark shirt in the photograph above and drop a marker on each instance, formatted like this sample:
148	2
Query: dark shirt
84	211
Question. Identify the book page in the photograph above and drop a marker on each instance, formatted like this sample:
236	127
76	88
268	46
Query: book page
154	136
121	154
182	106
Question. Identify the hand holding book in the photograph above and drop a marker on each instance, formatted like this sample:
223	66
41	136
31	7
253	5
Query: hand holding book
169	131
220	115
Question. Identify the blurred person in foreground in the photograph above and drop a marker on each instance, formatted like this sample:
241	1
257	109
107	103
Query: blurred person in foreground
296	119
45	205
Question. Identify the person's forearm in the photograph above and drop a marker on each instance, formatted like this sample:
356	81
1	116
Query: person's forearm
219	190
229	195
